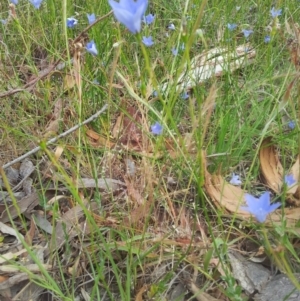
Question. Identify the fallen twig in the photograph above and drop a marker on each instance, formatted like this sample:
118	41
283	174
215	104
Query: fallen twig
53	140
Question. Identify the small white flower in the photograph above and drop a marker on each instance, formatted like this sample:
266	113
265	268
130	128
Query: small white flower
235	180
171	26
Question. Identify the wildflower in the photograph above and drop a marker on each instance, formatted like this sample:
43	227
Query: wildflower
156	128
91	48
147	41
15	2
275	12
291	124
154	93
71	22
182	46
232	26
267	39
129	13
4	22
91	18
174	51
235	180
247	32
289	180
36	3
171	26
96	82
184	95
260	207
149	19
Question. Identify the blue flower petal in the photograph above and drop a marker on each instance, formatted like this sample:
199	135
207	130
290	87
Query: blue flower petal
291	124
275	12
147	41
289	180
260	207
129	13
184	95
247	32
149	19
71	22
91	18
232	26
36	3
91	48
156	128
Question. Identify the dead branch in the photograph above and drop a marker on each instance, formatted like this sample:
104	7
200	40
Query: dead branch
53	140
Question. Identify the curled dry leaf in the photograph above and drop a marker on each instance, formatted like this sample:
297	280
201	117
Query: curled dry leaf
270	165
230	198
225	195
273	173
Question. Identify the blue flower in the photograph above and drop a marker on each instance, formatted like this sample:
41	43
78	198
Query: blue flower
174	51
156	128
291	124
267	39
147	41
149	19
232	26
36	3
235	180
4	22
275	12
91	18
289	180
247	32
91	48
184	95
171	26
260	207
154	93
15	2
71	22
129	13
